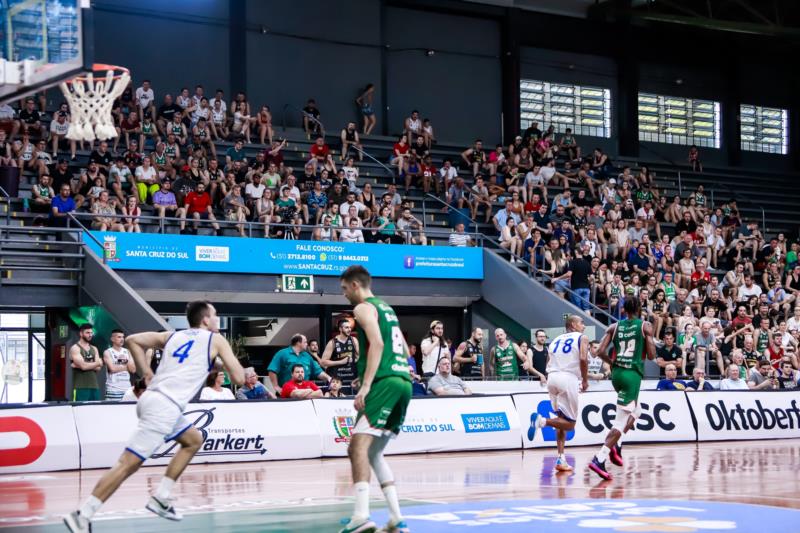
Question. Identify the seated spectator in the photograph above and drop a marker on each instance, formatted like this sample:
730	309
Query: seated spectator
252	388
349	137
447	173
164	200
105	215
787	376
197	205
400	156
670	382
42	195
29	120
459	238
335	389
352	233
698	381
444	383
569	145
669	354
321	156
146	178
311	121
324	232
694	159
61	206
479	196
412	228
214	389
733	381
298	387
281	367
132	211
763	377
235	208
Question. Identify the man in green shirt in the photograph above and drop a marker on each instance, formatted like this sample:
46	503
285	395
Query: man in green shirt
382	400
86	363
503	358
280	368
633	341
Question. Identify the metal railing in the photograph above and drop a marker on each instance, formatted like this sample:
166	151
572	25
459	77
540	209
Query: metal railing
38	238
528	266
306	115
8	205
388	170
253	228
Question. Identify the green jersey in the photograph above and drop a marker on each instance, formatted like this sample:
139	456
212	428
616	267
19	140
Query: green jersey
629	345
505	362
394	359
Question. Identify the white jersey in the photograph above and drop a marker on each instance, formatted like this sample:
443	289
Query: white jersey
184	366
118	382
565	354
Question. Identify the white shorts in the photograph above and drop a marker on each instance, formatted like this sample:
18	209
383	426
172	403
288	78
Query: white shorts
547	173
160	421
564	389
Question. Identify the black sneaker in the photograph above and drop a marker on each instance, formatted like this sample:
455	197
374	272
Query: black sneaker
600	469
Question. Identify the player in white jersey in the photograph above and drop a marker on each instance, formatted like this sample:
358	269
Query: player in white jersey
119	366
188	356
567	376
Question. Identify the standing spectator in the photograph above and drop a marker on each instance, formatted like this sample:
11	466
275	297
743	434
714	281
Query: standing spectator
340	354
579	271
86	363
365	101
446	384
503	358
214	391
61	206
670	382
252	388
468	359
698	381
694	159
298	387
197	205
433	347
119	367
733	382
281	367
539	351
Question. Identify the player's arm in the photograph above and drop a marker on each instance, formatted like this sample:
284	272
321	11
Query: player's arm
131	366
77	359
458	357
326	361
584	361
605	342
139	342
221	348
649	343
366	316
114	368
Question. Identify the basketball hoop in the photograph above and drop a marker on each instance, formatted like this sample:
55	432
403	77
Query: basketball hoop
90	102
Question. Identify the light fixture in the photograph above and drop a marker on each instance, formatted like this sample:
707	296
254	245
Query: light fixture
430	53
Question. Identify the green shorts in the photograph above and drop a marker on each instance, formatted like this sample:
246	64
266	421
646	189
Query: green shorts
627	384
86	395
385	407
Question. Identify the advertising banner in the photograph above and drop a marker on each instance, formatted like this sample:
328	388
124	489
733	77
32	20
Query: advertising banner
665	417
38	439
190	253
232	432
743	415
431	425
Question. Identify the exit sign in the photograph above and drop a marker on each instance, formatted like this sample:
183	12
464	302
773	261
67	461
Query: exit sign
294	283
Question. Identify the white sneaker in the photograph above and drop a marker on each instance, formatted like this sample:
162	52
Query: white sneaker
76	523
163	508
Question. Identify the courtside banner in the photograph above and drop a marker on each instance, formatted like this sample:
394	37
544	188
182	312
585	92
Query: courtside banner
743	415
38	439
431	425
232	432
665	418
184	253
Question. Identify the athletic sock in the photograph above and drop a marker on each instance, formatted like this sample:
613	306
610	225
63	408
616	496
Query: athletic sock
562	458
541	422
90	507
390	493
603	455
164	488
362	499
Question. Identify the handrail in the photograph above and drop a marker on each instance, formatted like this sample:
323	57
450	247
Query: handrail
387	169
529	268
8	205
86	231
263	226
309	116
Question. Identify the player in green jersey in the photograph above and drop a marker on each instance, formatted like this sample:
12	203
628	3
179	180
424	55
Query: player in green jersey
381	402
633	340
503	357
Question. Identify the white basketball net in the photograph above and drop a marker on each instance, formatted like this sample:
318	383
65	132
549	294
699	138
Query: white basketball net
90	105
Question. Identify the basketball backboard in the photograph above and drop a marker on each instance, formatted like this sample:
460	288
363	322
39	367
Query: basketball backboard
43	42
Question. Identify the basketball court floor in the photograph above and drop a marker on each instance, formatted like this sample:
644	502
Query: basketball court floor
711	486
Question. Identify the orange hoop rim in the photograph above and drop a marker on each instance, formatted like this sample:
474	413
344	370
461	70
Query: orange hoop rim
101	67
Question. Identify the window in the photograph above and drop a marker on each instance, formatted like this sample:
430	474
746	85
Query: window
764	129
587	110
676	120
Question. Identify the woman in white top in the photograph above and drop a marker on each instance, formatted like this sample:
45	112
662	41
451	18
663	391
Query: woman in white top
213	389
265	209
510	240
433	348
132	209
241	121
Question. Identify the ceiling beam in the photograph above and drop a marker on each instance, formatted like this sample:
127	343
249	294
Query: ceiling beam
753	11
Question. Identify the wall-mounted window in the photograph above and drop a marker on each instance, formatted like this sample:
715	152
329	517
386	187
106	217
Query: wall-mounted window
764	129
587	110
677	120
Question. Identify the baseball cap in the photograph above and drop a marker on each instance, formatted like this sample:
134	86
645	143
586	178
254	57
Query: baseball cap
612	181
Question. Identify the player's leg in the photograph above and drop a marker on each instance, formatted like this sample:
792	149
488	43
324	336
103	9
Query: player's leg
401	391
616	450
160	503
358	452
627	384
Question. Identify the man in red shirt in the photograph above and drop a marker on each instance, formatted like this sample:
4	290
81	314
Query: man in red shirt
701	273
197	205
320	154
297	387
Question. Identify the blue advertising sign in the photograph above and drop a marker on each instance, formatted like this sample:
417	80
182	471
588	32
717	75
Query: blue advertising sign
190	253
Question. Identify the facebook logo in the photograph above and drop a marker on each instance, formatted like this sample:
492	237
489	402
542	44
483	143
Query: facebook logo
408	261
545	409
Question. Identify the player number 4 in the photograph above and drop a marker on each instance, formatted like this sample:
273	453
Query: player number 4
183	351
